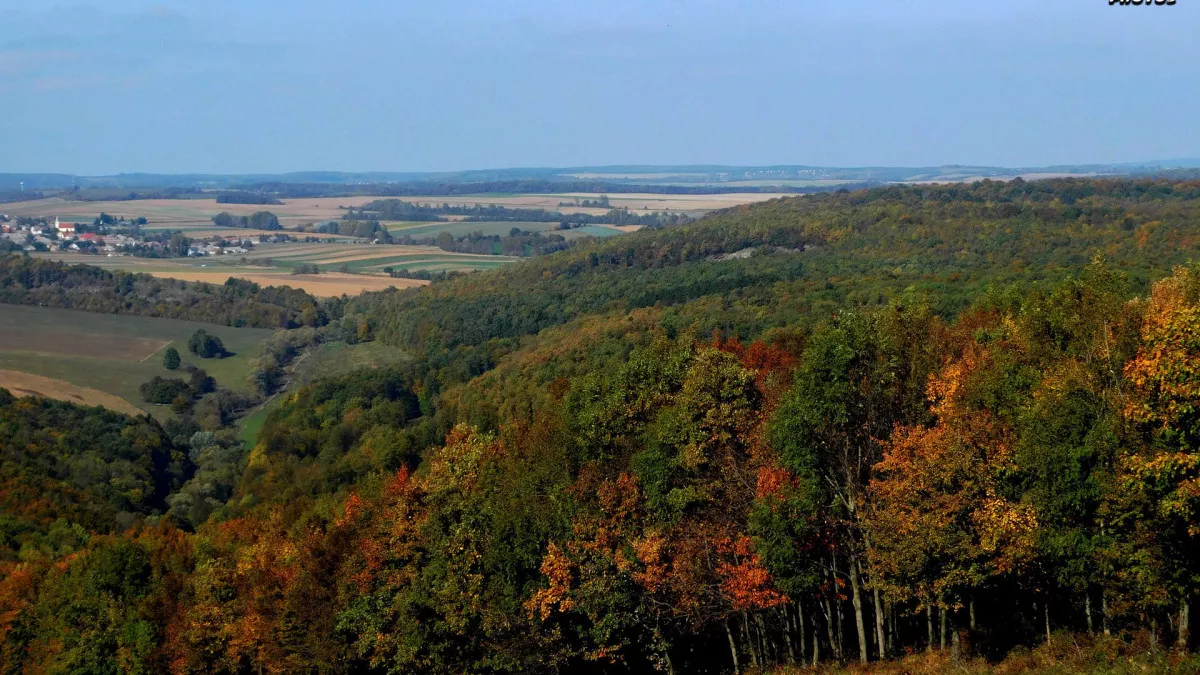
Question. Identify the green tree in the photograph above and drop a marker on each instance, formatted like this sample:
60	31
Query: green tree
171	358
206	346
178	245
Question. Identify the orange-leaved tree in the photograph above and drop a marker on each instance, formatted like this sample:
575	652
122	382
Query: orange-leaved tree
1162	473
937	512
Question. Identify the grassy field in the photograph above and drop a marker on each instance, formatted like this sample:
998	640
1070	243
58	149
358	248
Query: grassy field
110	354
592	231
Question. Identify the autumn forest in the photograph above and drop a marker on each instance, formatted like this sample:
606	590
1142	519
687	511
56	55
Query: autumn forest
957	423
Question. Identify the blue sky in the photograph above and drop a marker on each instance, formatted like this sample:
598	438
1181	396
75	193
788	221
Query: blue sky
358	85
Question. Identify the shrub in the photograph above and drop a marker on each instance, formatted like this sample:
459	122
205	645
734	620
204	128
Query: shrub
171	358
163	390
206	346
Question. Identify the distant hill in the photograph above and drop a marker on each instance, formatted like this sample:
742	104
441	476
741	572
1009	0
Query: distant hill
649	175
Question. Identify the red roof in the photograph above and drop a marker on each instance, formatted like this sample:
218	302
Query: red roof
91	236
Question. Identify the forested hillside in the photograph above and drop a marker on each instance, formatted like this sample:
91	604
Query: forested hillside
37	281
824	429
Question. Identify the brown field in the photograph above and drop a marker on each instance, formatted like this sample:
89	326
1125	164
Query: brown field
326	284
36	339
24	384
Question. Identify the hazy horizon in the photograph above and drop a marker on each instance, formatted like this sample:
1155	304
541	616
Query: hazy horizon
172	87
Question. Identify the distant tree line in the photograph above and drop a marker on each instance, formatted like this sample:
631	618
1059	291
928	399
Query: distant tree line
7	196
521	186
368	228
516	243
244	197
262	220
35	281
125	195
397	209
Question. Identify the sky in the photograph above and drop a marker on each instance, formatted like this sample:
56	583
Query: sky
251	86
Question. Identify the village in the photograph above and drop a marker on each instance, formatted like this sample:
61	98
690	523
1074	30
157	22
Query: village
116	237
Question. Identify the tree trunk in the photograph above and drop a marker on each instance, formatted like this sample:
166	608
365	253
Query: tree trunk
841	630
1154	635
929	627
816	643
737	666
971	607
892	636
764	642
1046	613
955	646
1087	611
829	628
942	618
750	645
880	639
802	630
1181	641
1104	612
787	633
856	598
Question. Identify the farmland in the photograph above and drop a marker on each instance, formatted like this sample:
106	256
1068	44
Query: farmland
501	228
694	205
86	357
345	265
193	216
217	271
25	384
370	258
345	268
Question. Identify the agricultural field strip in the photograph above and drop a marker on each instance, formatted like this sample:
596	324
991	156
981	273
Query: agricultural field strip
462	257
40	340
328	250
461	227
199	212
112	354
408	261
591	231
187	210
322	285
28	384
160	348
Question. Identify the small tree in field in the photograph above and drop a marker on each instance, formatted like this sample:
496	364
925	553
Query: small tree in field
206	346
171	358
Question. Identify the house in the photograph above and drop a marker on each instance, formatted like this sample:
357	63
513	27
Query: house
92	237
64	228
